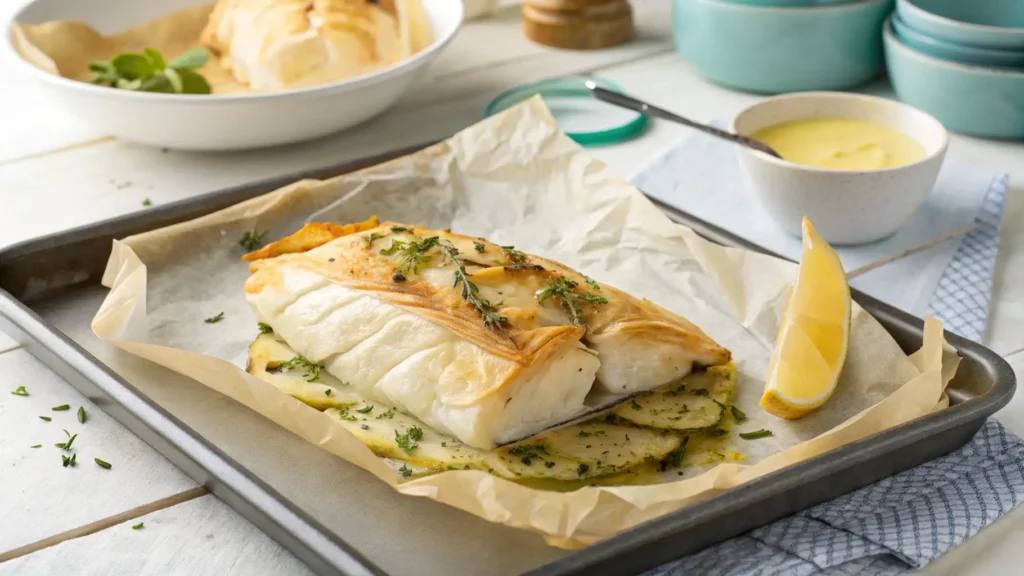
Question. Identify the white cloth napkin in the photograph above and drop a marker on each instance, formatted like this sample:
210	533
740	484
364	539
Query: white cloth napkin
701	176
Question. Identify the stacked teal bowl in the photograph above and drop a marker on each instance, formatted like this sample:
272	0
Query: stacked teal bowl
776	46
961	61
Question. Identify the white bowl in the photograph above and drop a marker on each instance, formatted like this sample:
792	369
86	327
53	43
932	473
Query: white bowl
228	122
846	206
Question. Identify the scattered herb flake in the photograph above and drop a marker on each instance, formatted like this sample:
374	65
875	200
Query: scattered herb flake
411	254
20	391
147	202
344	415
407	441
526	449
389	414
45	418
103	464
364	426
634	405
582	469
365	410
214	319
61	408
81	414
36	446
65	461
405	471
549	464
328	392
700	392
762	433
252	239
371	238
528	459
717	432
480	247
516	260
676	458
138	526
564	290
264	328
399	229
591	283
583	434
311	369
737	414
471	292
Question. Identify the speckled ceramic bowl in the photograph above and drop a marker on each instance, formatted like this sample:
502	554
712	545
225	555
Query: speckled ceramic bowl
846	206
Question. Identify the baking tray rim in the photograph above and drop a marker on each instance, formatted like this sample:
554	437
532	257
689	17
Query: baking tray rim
333	553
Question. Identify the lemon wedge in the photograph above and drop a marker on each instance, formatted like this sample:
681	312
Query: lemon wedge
811	345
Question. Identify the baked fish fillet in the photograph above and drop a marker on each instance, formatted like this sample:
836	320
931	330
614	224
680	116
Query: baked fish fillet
277	44
480	341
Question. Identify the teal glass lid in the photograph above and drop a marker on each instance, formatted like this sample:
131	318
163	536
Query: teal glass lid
586	120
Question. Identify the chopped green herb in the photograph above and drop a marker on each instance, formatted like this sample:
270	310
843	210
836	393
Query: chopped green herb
591	283
364	426
252	239
405	471
328	392
102	464
762	433
389	414
412	254
264	328
214	319
676	458
516	260
480	247
737	414
583	434
66	446
700	392
20	391
471	292
526	449
634	405
344	415
45	418
564	290
371	238
311	369
528	459
147	202
398	229
81	414
582	469
36	446
444	444
407	441
549	464
138	526
717	432
365	410
61	408
65	461
149	72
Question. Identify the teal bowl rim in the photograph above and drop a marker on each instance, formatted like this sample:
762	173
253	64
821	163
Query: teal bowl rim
888	35
901	29
947	21
616	135
789	9
811	3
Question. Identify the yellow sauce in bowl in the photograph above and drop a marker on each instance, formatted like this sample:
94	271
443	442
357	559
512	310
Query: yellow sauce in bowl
841	144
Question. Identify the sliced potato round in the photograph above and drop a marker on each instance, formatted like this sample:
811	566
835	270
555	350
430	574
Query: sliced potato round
694	404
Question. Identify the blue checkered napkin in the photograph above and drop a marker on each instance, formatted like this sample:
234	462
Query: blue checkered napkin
895	525
962	297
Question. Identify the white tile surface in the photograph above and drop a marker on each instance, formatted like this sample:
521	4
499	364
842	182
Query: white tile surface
201	537
42	498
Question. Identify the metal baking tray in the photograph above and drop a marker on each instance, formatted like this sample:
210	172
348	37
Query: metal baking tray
63	271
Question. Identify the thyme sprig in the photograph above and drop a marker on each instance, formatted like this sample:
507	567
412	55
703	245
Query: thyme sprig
516	260
470	291
564	290
312	369
413	254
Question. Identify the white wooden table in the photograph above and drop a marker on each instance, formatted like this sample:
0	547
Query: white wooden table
56	173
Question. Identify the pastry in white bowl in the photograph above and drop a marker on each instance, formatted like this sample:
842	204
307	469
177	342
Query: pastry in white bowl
281	44
479	341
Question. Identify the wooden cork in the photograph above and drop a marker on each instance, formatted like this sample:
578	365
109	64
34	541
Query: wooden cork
578	24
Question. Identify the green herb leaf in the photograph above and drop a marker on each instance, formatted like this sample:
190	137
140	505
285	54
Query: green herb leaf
762	433
371	238
190	59
582	469
549	464
193	83
36	446
389	414
516	260
20	391
312	370
480	247
471	292
81	414
737	414
344	415
716	432
214	319
635	405
71	440
365	410
147	202
528	448
700	392
364	426
407	441
411	254
132	66
252	239
102	464
328	392
138	526
158	83
564	290
405	471
264	328
65	461
155	58
45	418
398	229
61	408
591	283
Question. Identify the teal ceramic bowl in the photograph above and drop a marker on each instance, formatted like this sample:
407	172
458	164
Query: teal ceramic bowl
982	23
789	3
775	50
987	102
956	52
